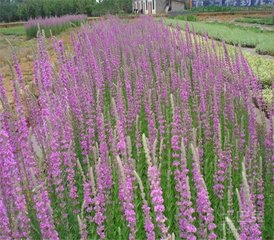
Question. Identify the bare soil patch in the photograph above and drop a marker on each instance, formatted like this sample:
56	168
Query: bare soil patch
230	17
24	50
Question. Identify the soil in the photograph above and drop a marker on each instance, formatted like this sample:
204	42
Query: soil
228	18
261	26
24	50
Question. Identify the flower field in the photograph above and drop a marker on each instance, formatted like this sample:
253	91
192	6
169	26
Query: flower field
52	25
137	132
235	35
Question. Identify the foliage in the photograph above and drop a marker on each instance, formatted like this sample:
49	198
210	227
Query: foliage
24	10
53	25
13	31
268	96
9	12
246	37
265	47
257	20
46	8
126	137
190	18
263	68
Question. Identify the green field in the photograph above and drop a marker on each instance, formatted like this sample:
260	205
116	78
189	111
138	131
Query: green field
257	20
18	31
236	35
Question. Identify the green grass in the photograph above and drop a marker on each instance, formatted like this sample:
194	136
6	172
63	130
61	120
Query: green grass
18	31
236	35
263	70
262	67
266	47
268	96
257	20
190	18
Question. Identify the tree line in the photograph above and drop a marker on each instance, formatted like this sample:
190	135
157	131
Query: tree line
16	10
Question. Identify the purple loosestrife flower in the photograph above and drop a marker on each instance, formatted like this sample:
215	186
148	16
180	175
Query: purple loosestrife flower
176	136
40	198
149	226
204	210
88	197
54	21
44	213
103	165
223	165
249	226
161	119
182	187
184	203
83	228
156	192
99	217
121	141
11	177
5	231
260	196
55	162
126	197
157	198
100	199
112	88
5	116
69	158
151	120
89	193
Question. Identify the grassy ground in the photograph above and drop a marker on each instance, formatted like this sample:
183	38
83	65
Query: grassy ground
24	50
237	35
18	31
257	20
263	69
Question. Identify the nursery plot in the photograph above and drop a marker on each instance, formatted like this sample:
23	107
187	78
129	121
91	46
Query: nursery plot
232	34
138	132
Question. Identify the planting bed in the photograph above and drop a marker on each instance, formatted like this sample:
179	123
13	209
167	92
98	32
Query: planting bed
229	17
232	34
52	25
137	132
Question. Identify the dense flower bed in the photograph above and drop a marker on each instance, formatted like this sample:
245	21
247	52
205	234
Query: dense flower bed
140	133
54	25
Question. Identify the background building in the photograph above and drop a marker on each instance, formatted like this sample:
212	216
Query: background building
162	6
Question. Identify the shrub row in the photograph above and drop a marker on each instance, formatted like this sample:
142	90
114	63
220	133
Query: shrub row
18	10
53	25
257	20
232	34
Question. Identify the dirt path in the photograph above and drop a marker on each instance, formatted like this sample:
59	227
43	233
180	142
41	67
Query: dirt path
24	50
230	17
261	26
253	52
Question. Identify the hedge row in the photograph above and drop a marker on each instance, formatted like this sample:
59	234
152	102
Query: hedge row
53	25
24	10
